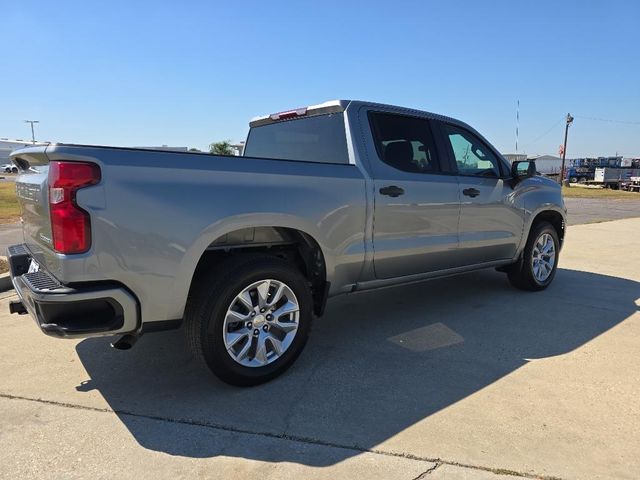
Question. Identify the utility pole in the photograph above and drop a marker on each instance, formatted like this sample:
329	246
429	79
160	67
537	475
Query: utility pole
517	123
564	148
33	135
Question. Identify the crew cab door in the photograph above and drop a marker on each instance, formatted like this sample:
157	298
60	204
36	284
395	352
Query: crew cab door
491	225
416	201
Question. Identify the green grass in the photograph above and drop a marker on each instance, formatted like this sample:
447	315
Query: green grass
9	207
605	193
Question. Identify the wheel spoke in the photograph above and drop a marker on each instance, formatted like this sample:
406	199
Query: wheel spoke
245	299
233	338
261	352
276	345
286	327
543	270
242	354
286	309
276	296
263	291
233	317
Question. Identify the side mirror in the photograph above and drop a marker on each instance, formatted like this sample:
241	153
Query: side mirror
523	169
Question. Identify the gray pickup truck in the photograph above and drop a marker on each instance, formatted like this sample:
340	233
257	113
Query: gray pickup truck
329	199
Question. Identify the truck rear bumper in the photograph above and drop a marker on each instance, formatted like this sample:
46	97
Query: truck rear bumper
71	312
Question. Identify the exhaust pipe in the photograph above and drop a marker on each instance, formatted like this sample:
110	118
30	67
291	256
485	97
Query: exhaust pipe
125	342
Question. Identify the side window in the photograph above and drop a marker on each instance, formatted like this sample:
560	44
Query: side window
472	156
405	143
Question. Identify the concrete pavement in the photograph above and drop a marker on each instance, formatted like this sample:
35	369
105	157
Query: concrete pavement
456	378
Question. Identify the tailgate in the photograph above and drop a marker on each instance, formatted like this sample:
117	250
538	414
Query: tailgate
33	196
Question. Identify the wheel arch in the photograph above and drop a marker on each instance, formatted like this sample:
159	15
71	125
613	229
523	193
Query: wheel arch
287	240
551	213
555	218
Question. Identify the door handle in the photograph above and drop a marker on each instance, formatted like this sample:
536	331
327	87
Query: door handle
471	192
392	191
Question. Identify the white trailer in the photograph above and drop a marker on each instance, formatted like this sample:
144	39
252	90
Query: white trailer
613	177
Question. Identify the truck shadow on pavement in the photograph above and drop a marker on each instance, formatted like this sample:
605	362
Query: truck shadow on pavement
376	364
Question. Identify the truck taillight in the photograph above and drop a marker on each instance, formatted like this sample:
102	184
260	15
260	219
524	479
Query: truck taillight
70	225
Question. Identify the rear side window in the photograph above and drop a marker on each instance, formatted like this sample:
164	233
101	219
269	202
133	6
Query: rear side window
320	138
405	143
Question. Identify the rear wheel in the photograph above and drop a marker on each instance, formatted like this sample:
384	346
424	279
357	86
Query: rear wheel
539	262
249	318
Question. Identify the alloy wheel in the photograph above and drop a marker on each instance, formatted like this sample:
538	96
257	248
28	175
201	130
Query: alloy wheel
261	323
543	257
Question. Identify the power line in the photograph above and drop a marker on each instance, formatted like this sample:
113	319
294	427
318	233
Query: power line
597	119
547	132
624	122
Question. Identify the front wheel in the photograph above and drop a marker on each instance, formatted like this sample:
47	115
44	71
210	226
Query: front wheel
539	262
249	318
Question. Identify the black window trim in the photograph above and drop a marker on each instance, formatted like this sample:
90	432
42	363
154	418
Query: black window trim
505	173
444	164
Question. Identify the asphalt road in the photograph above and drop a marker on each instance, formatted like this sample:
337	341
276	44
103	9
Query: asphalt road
591	210
462	377
10	234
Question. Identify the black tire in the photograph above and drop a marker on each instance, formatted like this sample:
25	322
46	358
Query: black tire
212	295
14	170
521	274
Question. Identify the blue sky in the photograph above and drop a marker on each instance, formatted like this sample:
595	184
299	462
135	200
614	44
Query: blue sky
189	73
